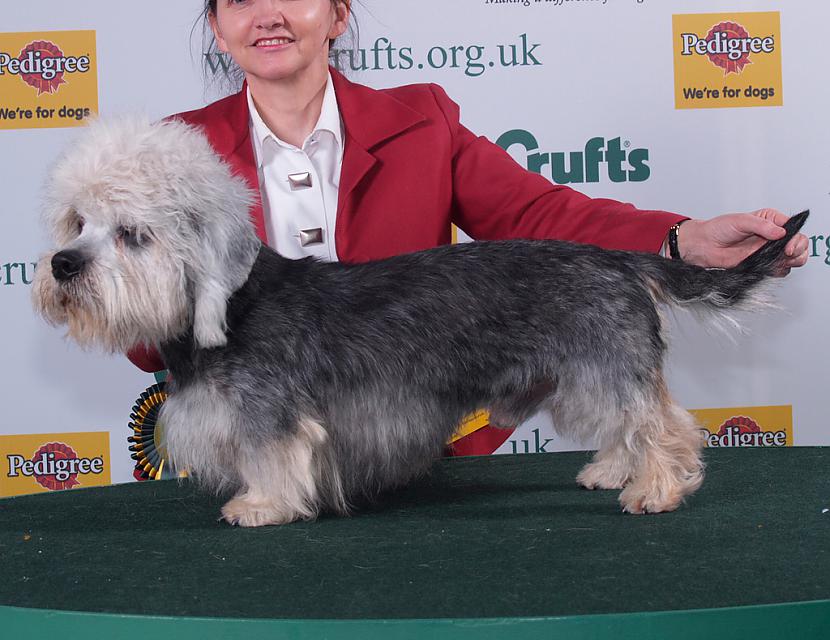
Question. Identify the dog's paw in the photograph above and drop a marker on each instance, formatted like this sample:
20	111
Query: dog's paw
635	499
600	475
244	512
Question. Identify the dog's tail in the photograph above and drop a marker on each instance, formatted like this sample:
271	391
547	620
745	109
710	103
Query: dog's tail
679	283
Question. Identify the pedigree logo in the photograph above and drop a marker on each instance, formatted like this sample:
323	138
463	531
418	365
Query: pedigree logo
747	426
727	60
47	79
53	462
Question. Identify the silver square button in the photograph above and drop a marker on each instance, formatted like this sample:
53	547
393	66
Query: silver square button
299	180
311	236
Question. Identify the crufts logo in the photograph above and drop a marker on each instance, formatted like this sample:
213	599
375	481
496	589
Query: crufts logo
747	426
622	164
42	65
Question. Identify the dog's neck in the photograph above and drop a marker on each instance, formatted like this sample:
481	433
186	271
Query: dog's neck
184	358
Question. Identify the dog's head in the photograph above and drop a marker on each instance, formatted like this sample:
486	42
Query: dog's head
152	233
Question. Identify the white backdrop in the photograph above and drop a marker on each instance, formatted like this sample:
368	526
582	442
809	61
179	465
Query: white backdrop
589	68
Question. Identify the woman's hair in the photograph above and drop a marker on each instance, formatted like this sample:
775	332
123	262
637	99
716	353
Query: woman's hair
219	67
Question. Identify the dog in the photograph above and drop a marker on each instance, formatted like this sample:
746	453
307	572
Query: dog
300	386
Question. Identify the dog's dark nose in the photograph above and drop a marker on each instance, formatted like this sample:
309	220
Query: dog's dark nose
67	264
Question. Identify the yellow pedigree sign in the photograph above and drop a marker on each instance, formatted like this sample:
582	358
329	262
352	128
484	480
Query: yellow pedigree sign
770	426
53	462
47	79
727	60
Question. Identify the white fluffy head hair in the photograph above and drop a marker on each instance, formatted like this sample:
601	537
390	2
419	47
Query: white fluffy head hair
152	235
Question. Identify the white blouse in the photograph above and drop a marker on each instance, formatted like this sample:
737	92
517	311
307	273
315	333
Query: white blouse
299	185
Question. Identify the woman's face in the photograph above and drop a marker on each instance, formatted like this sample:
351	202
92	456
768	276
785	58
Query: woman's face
274	40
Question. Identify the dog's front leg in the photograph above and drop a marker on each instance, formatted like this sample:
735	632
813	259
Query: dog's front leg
281	479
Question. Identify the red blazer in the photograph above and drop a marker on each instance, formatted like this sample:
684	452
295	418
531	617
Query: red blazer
411	170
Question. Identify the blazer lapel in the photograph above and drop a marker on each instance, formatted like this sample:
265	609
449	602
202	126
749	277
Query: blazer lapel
370	118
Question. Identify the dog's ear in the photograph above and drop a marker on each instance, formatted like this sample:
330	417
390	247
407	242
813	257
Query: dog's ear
213	222
227	248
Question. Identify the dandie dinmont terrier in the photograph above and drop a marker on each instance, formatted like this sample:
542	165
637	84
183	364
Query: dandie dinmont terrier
305	386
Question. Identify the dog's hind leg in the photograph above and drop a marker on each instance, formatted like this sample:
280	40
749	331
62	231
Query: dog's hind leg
590	412
612	468
668	456
648	446
281	479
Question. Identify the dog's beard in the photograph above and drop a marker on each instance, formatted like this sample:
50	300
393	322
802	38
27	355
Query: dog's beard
113	308
46	296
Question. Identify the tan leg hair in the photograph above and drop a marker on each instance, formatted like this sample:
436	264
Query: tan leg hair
283	480
669	465
611	468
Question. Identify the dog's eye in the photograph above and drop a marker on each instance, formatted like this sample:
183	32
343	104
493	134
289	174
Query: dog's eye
128	236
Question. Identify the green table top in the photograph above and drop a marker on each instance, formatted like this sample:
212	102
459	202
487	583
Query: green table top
491	537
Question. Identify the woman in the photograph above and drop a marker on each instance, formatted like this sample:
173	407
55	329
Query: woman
350	173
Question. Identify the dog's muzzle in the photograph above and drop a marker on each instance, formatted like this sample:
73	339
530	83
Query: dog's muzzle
67	264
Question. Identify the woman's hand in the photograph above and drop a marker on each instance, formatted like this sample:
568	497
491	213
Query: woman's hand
726	240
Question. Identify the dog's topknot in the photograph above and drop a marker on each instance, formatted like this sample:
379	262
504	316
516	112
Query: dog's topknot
129	159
